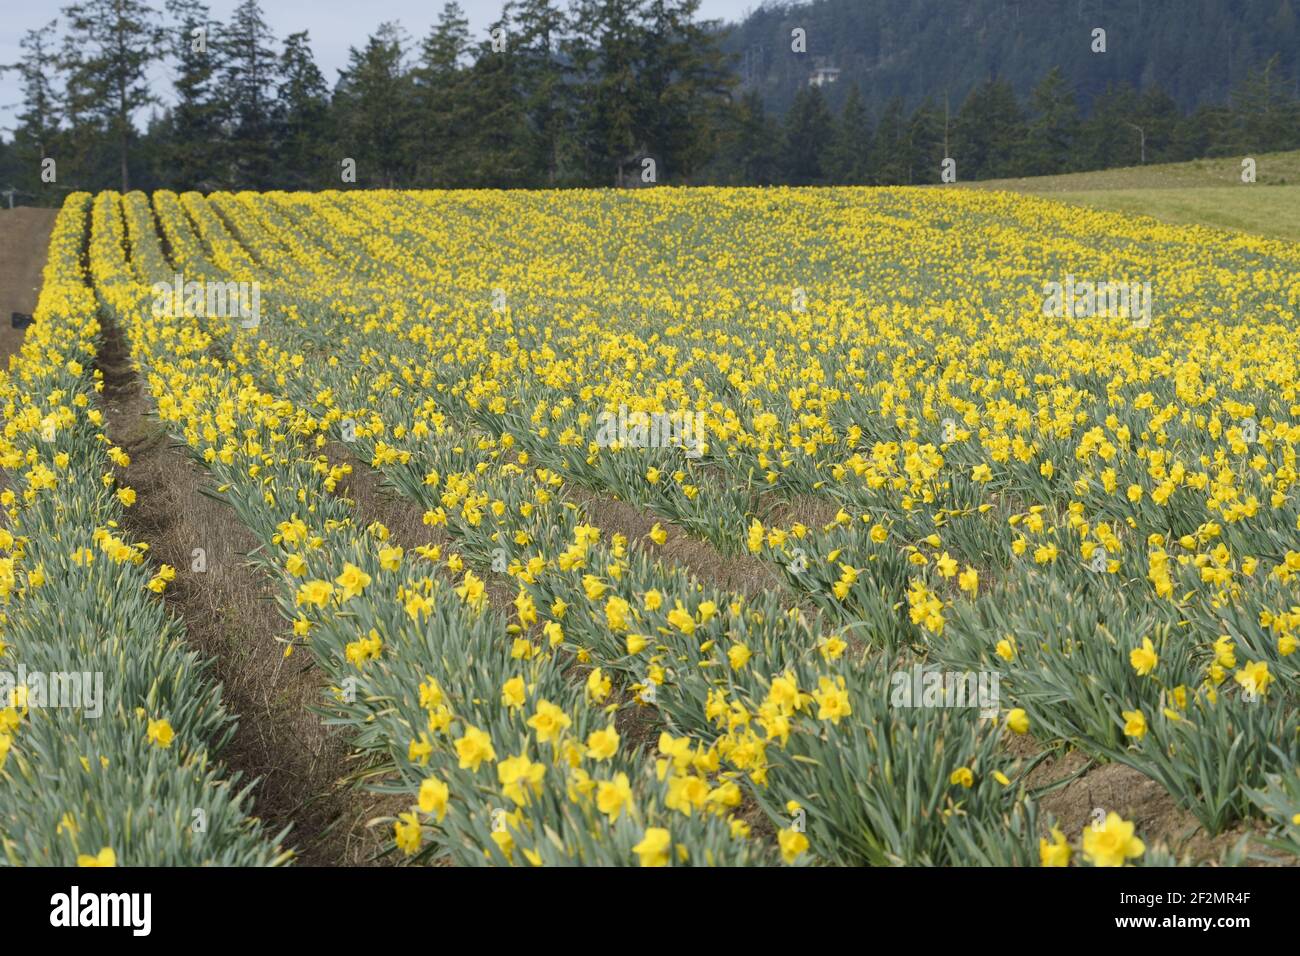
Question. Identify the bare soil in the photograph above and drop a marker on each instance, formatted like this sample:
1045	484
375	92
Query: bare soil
1072	789
24	238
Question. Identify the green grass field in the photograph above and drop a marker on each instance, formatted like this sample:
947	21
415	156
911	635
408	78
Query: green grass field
1272	211
1203	192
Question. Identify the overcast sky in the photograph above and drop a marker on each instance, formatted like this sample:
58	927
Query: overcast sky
334	26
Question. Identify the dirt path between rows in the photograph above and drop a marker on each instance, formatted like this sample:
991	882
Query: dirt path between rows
307	776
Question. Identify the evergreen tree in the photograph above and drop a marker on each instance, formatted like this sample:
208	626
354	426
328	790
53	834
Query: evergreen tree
112	44
605	48
989	133
919	48
438	97
1205	132
749	147
806	139
584	98
1158	120
373	103
683	85
537	30
247	82
85	152
37	134
192	130
1050	143
925	147
890	150
9	172
496	136
302	113
1265	116
850	147
1109	138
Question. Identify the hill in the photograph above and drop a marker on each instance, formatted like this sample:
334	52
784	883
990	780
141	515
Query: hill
1196	50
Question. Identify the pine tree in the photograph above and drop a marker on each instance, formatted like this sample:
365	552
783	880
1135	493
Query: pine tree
1206	131
302	114
85	152
111	45
989	133
749	145
247	79
890	150
583	97
37	132
538	27
1049	146
373	103
925	146
497	134
439	103
683	84
605	48
9	171
193	125
1108	138
1159	120
1265	118
850	148
806	139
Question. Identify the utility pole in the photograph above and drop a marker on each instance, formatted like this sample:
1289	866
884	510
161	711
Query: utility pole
946	154
1143	139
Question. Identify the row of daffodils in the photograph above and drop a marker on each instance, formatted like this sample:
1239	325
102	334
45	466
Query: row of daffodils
109	725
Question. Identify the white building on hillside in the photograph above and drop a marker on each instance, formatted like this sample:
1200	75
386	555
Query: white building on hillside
824	75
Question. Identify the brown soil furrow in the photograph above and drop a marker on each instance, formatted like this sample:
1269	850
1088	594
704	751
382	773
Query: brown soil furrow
742	573
307	775
404	519
1073	789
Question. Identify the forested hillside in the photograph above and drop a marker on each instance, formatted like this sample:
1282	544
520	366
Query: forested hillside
1194	50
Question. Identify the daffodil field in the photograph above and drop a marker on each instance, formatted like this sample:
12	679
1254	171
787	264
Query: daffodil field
1094	517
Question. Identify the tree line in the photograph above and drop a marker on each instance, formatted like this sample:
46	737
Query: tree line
596	93
995	135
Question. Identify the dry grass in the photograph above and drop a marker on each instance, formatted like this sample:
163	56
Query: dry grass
1272	211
